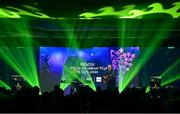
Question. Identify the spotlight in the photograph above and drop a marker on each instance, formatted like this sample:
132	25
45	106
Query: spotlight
171	47
92	54
81	53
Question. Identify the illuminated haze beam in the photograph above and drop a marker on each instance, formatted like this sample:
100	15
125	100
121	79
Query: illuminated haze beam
145	56
72	42
82	35
170	68
72	74
31	63
9	58
170	75
133	41
121	36
2	84
147	89
29	51
30	54
137	66
120	81
99	34
175	78
21	60
71	37
71	77
91	84
69	29
122	28
89	34
19	63
68	75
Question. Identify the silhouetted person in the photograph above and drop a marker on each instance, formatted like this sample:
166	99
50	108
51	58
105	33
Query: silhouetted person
57	97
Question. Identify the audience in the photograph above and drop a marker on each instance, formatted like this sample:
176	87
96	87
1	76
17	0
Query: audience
86	100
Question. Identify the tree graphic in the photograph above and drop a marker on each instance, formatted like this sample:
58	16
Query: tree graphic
122	61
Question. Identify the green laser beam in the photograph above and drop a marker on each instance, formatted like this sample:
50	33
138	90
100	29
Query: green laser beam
22	60
145	54
122	34
70	74
2	84
171	74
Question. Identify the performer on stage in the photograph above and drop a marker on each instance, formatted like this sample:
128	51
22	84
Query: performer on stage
110	78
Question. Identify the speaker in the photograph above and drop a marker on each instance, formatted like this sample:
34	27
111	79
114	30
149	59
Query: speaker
155	82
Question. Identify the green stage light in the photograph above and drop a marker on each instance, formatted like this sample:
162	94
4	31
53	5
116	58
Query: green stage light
136	68
69	29
2	84
21	59
73	69
68	76
145	54
122	32
170	75
147	89
171	47
22	62
171	80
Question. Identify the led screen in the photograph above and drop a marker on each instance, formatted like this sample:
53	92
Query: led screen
90	63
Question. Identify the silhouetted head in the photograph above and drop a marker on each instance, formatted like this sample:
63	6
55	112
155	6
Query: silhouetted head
35	90
56	87
99	88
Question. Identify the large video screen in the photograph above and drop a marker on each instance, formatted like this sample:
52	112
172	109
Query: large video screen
92	61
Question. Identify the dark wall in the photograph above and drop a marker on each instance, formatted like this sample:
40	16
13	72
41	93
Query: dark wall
158	63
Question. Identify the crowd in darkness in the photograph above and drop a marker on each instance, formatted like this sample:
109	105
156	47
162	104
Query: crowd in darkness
86	100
